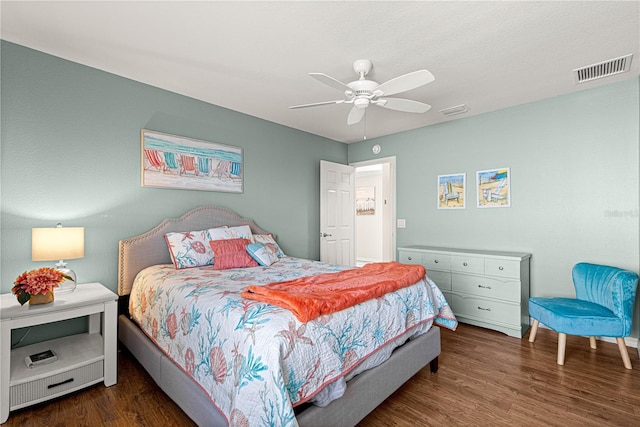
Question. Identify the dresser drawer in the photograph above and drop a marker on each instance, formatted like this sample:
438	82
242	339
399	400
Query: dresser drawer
502	268
441	278
487	287
467	264
483	309
436	261
408	257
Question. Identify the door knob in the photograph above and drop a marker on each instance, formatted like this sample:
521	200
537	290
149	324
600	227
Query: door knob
325	235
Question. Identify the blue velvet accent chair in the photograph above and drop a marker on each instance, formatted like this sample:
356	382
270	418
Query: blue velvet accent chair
603	307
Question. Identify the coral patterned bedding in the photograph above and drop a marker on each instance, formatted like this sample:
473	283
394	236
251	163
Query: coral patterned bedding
257	361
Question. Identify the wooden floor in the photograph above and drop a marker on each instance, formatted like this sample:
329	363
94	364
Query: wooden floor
485	379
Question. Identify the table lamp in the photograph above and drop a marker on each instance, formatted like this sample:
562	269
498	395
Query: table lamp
58	243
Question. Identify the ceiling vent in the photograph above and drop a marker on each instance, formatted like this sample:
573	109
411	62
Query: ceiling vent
603	69
452	111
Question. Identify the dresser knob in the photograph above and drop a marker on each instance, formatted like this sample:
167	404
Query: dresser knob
465	264
436	261
409	258
501	268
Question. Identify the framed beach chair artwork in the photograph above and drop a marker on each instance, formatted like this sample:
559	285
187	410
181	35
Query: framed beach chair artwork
451	191
170	161
494	188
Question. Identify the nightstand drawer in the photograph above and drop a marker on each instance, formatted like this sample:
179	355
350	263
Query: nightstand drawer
30	392
486	287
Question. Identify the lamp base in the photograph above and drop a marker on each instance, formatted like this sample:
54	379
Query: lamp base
67	285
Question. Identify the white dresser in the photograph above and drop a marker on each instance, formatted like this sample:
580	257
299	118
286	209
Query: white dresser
484	288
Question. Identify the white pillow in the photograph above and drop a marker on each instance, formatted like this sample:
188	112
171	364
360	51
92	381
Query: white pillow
226	233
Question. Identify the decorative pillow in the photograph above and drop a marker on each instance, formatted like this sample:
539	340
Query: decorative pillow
231	253
225	233
268	239
190	248
265	255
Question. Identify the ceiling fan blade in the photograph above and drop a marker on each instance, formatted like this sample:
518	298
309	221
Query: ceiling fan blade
315	104
405	82
355	115
330	81
406	105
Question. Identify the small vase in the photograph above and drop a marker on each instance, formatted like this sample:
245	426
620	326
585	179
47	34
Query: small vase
41	298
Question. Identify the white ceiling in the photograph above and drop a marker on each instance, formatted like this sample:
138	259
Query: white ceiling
253	57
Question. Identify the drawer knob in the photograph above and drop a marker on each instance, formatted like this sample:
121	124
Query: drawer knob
501	268
484	309
436	261
484	287
409	258
465	264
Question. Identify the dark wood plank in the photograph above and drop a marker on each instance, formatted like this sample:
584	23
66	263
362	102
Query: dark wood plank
487	378
484	378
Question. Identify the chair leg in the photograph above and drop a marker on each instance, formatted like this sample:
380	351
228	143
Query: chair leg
562	344
592	343
534	330
623	352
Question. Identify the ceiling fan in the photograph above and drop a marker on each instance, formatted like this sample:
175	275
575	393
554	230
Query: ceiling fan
362	92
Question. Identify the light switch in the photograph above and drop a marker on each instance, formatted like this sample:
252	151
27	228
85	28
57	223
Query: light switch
402	223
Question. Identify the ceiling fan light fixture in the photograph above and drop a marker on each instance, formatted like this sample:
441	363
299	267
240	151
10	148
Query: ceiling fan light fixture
361	102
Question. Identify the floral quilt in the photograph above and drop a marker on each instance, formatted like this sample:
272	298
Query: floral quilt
255	360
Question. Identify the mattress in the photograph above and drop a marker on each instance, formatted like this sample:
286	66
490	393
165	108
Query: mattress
256	361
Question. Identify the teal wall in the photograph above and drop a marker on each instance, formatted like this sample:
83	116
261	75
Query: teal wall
574	163
71	154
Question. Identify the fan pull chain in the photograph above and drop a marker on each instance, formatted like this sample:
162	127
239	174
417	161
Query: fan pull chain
364	137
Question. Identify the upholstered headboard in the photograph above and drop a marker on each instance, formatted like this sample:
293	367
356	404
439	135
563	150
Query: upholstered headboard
150	248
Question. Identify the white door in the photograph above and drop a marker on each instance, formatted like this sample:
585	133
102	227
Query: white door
337	212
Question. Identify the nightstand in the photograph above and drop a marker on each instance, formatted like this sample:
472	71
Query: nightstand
83	359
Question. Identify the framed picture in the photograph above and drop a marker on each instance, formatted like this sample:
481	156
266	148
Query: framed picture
451	191
170	161
366	200
494	188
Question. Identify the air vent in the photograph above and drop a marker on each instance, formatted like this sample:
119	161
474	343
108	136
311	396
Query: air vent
603	69
452	111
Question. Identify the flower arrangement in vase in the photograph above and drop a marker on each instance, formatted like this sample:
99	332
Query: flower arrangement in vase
36	286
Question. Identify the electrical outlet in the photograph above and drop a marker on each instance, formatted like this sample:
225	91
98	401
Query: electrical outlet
402	223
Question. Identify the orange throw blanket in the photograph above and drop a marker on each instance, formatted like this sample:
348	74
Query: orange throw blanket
312	296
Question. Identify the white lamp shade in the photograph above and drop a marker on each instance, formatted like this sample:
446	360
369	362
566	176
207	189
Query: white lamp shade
59	243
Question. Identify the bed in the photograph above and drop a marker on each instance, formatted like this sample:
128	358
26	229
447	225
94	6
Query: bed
371	370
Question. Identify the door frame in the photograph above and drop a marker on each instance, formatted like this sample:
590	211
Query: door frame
391	160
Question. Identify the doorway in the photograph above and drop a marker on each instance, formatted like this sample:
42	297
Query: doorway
375	238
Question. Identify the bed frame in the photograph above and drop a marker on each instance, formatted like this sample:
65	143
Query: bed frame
364	392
